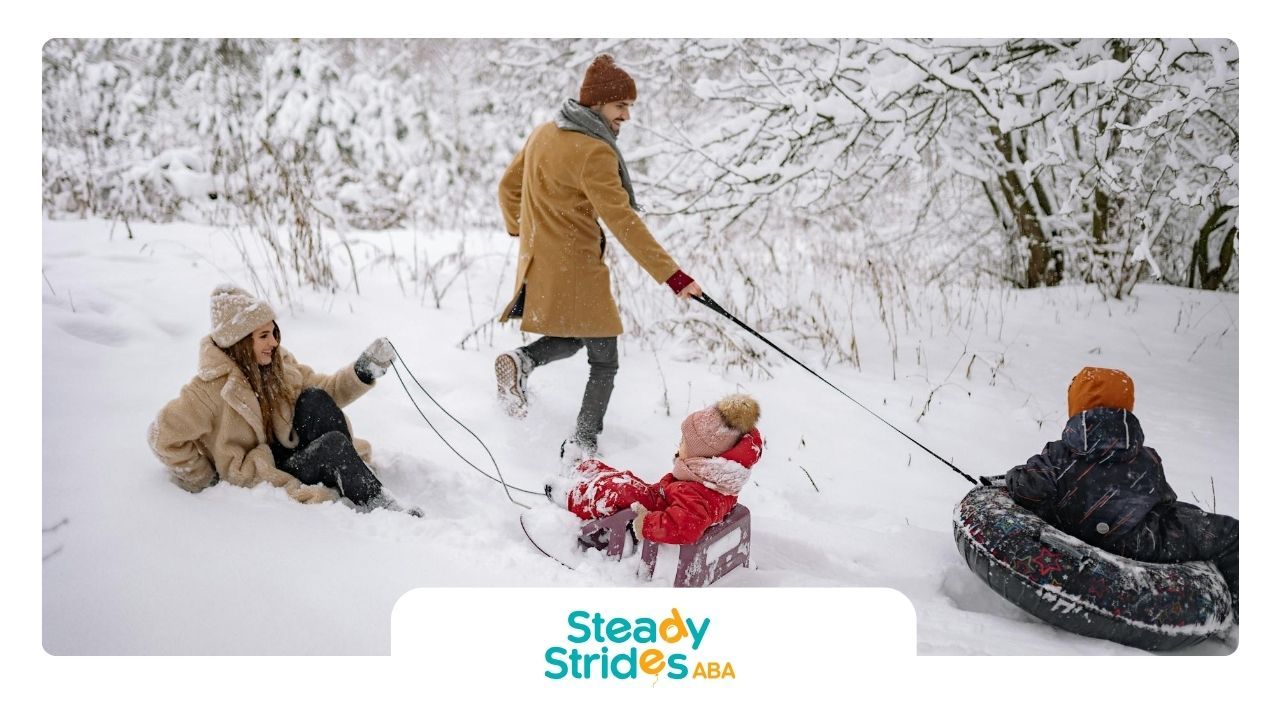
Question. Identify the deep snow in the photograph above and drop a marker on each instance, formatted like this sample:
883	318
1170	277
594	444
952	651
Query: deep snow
137	566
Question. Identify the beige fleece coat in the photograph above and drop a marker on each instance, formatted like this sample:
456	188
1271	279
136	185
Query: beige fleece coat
551	195
213	429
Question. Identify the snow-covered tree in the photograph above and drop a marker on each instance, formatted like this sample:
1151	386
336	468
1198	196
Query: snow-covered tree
1025	161
1082	150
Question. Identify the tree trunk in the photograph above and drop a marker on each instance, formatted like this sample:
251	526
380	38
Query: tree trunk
1044	264
1211	278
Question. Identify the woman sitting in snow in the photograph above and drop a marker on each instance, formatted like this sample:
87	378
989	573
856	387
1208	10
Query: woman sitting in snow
1102	485
254	414
718	446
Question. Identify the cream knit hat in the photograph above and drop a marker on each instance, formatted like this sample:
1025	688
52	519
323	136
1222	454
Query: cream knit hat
234	313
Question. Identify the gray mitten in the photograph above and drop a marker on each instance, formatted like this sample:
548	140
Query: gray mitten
374	361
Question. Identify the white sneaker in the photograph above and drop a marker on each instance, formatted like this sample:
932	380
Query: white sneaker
511	369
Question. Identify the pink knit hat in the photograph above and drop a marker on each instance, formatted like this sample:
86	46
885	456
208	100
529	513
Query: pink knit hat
714	430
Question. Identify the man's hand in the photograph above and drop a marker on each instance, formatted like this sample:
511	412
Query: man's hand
690	290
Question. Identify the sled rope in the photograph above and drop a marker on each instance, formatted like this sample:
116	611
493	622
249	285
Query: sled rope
499	479
706	300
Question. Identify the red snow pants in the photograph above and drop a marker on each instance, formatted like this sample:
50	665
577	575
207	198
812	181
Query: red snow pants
605	490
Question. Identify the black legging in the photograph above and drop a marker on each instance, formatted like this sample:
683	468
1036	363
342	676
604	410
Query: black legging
325	454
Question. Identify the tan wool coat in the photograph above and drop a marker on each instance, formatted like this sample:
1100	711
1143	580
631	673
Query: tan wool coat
213	429
551	195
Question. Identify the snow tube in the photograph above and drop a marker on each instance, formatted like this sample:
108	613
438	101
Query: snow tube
1083	589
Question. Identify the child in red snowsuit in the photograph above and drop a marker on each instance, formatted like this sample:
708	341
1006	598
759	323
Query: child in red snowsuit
718	446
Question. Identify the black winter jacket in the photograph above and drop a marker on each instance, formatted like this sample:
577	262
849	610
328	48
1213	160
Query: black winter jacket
1097	482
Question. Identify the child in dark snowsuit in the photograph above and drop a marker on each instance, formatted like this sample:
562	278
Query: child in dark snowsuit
718	446
1100	484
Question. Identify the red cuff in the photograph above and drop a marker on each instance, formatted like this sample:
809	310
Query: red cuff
679	281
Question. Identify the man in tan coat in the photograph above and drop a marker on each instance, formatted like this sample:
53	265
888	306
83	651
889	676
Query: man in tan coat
569	173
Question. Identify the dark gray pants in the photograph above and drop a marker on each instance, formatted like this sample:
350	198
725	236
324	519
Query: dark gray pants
602	357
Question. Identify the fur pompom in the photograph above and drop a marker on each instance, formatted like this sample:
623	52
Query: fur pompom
740	412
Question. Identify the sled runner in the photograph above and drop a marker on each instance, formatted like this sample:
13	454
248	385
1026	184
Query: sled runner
722	548
1085	590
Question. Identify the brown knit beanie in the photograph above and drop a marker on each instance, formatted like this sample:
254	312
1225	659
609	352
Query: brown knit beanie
1099	388
234	313
606	83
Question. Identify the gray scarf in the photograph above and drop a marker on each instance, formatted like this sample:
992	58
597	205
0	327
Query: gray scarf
576	117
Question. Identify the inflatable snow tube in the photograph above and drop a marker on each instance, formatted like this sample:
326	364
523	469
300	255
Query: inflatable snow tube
1083	589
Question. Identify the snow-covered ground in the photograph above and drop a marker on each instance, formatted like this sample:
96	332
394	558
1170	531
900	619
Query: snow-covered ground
137	566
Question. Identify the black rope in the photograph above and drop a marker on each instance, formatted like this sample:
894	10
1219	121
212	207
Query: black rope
705	300
506	488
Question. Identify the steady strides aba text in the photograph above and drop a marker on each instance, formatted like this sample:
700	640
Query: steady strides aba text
621	648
